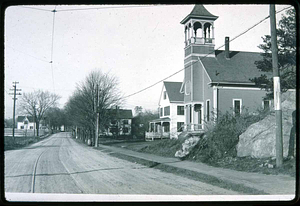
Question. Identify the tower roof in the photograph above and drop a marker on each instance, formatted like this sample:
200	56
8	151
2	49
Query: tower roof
199	12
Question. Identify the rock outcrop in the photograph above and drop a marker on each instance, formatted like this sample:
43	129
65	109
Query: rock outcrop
187	146
259	140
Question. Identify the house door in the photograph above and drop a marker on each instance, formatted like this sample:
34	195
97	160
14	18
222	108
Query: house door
199	121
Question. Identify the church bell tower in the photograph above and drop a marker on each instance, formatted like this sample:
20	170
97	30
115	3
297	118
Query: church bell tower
199	33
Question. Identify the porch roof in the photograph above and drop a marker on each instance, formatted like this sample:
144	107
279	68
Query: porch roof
165	119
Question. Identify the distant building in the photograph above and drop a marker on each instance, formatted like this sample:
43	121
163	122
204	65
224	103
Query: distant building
27	122
120	122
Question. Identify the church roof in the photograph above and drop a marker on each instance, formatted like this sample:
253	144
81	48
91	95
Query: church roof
239	68
199	11
173	89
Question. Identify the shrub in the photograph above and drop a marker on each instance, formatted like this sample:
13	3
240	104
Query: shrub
221	139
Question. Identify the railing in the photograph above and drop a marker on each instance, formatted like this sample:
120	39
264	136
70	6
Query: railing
199	40
157	135
192	127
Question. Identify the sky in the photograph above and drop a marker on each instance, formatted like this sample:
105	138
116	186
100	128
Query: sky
138	44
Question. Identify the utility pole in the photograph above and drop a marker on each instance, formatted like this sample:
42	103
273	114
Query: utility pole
14	109
97	118
277	91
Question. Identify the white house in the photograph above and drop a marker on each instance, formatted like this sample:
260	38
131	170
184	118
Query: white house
25	122
171	112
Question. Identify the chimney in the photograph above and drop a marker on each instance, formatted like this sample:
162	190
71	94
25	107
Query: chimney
227	47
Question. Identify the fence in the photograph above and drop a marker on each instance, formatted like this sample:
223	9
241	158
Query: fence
25	132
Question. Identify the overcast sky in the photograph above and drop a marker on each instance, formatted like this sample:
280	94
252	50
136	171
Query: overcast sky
140	46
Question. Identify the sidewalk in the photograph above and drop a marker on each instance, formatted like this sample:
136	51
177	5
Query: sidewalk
271	184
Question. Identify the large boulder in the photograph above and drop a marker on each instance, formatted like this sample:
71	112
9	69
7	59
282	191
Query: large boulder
259	140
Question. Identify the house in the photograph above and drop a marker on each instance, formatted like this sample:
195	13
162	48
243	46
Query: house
26	122
171	113
214	80
120	122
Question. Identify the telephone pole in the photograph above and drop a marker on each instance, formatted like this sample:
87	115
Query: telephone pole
97	116
277	91
14	109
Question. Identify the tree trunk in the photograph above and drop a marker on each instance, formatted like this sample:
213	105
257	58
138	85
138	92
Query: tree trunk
37	128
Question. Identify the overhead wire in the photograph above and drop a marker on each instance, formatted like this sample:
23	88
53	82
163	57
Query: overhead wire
27	54
206	54
52	45
152	85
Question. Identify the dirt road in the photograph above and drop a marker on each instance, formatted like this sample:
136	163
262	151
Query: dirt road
59	164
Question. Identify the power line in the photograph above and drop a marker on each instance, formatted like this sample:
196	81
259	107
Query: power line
27	54
28	7
206	54
52	44
96	8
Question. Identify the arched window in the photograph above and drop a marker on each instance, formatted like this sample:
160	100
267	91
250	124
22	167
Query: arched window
207	30
185	34
189	31
198	29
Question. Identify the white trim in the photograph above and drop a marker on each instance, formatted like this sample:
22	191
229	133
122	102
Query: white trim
182	86
215	102
231	83
199	55
240	88
192	82
241	105
177	102
162	89
185	88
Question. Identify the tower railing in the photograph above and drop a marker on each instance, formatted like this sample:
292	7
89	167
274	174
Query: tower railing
199	40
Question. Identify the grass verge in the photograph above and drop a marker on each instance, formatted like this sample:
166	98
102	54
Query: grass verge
168	148
20	142
192	175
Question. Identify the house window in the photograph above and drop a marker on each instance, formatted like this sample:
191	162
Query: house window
237	106
125	130
161	112
179	126
180	110
125	121
165	95
31	127
167	111
266	104
166	126
22	127
207	110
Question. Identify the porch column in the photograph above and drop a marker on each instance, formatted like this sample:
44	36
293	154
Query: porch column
215	103
192	117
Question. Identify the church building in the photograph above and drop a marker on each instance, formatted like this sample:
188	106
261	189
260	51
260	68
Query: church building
215	81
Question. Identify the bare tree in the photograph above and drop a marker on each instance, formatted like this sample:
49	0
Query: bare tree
81	105
37	103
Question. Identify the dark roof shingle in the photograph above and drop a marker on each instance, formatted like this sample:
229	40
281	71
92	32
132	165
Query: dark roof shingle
239	68
173	89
